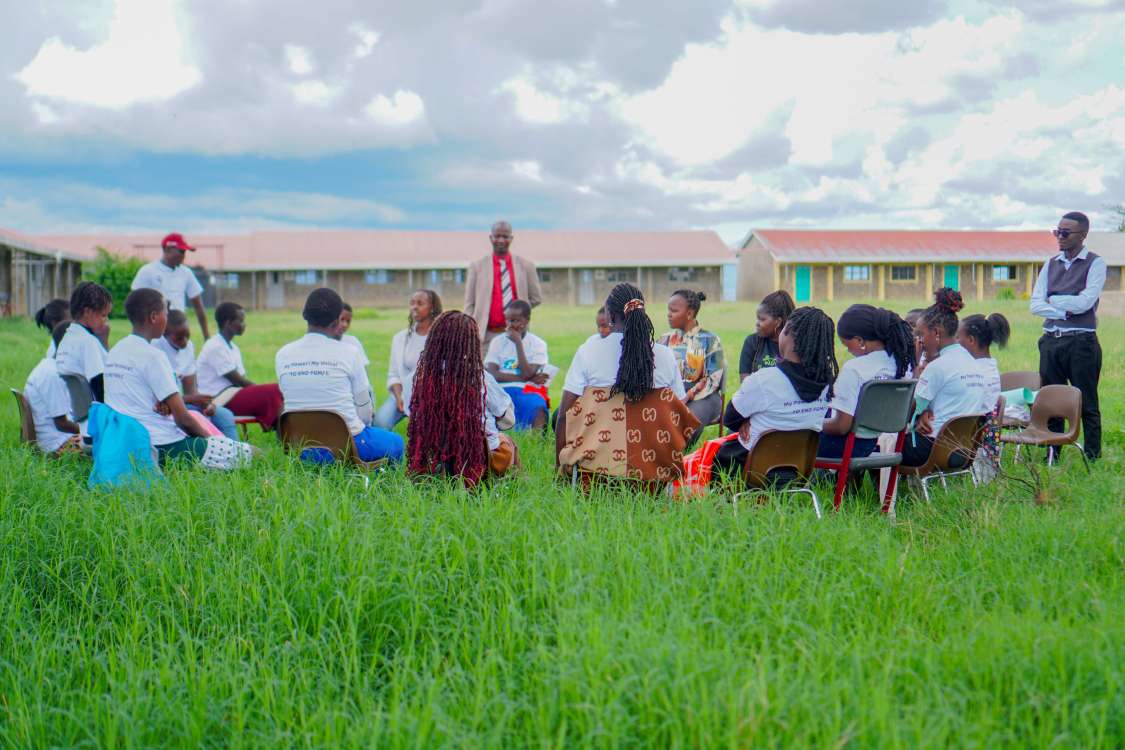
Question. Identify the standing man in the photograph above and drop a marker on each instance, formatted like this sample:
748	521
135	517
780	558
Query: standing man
1066	295
173	279
496	280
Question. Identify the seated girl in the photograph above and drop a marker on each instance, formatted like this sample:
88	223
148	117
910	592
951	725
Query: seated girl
319	372
454	413
622	412
977	334
222	375
140	384
516	359
48	317
882	348
55	429
406	349
760	349
82	351
950	383
347	338
793	395
177	346
699	356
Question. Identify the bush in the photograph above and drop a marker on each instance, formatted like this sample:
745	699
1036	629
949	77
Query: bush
1007	293
116	274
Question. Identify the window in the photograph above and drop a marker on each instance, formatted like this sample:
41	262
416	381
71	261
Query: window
620	275
903	273
376	276
1003	273
225	280
305	278
857	273
681	274
544	276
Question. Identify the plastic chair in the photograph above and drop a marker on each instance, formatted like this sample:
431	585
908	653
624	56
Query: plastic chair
1017	379
299	430
883	406
243	424
1052	401
960	437
27	419
792	450
81	396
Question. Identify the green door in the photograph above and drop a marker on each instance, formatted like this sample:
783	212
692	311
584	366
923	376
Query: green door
803	284
952	278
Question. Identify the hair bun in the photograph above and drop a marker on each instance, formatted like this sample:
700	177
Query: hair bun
949	300
701	296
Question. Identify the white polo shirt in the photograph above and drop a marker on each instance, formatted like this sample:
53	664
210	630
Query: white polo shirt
990	383
137	377
176	284
496	403
352	341
181	360
320	373
47	395
80	353
217	357
502	353
596	361
770	402
878	365
953	384
406	350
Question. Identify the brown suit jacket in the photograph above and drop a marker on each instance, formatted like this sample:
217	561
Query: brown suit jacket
478	287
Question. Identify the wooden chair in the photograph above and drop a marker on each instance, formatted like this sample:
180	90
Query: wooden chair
781	450
27	420
1052	401
883	406
299	430
81	396
959	437
1010	381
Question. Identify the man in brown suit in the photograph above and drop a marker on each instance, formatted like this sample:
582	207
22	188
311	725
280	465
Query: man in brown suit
497	279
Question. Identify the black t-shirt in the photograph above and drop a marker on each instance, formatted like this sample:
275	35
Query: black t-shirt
767	357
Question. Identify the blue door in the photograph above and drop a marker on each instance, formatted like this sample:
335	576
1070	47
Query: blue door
802	285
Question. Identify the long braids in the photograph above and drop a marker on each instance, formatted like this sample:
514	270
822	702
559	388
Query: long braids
635	369
900	345
880	324
814	335
778	305
446	430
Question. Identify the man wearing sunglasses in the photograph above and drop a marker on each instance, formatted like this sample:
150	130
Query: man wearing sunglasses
1066	296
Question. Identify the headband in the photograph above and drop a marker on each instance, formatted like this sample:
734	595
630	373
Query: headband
634	304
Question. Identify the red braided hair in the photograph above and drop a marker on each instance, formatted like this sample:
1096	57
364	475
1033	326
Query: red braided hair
446	430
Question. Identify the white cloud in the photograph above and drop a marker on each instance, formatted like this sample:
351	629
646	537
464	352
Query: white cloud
314	92
366	39
401	109
536	106
299	60
530	170
142	59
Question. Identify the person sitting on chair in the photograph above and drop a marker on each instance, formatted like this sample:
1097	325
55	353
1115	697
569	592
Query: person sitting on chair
406	350
177	346
517	360
760	348
699	355
222	376
82	351
48	317
46	394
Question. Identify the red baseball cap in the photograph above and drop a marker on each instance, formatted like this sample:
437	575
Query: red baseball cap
176	240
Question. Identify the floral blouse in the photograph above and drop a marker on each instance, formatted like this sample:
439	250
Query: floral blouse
699	354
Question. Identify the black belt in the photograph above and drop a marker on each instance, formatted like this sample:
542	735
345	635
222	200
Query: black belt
1058	333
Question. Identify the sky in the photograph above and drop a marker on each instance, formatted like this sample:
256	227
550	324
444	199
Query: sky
237	115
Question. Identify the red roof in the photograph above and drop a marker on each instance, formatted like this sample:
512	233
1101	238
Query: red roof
875	246
363	249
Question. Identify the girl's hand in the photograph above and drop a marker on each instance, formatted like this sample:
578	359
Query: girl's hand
744	432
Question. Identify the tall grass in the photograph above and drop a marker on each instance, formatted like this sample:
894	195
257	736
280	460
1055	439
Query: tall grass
289	606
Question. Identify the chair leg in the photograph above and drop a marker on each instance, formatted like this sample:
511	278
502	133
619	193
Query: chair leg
925	491
810	493
892	485
1085	461
841	484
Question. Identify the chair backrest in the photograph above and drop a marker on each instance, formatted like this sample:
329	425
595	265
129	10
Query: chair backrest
959	436
1064	401
81	396
794	450
316	429
884	405
27	419
1019	379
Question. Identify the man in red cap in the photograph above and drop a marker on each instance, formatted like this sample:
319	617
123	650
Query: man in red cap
173	279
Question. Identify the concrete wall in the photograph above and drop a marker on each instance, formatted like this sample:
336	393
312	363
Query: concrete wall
29	280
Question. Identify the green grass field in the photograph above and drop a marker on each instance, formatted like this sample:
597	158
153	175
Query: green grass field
286	606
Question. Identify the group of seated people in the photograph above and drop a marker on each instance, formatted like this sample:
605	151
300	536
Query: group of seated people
631	404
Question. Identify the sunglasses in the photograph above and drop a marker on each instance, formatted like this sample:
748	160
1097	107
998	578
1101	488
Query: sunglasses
1062	234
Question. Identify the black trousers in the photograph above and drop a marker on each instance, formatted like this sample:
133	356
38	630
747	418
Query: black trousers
1076	360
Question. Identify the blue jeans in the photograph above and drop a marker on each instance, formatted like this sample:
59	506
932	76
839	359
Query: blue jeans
388	415
832	446
223	419
527	405
371	444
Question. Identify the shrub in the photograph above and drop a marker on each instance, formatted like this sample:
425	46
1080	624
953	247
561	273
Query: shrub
1007	293
116	274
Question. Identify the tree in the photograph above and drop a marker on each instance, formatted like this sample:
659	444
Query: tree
1119	212
116	274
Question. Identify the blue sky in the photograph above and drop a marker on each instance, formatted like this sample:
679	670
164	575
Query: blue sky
150	115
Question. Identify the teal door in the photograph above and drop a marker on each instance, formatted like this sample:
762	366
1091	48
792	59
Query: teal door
952	277
802	286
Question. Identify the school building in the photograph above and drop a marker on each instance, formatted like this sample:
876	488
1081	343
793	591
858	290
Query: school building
33	272
869	265
375	268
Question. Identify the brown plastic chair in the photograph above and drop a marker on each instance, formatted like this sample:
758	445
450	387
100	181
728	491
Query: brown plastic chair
299	430
27	420
960	436
792	450
1061	401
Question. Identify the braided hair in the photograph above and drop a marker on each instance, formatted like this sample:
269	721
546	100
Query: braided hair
813	334
994	329
943	313
51	314
879	324
778	305
446	430
638	362
692	298
89	295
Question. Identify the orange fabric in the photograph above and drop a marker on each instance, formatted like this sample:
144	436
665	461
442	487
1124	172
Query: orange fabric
504	458
698	465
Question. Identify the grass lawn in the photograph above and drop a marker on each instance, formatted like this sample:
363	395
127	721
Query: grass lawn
287	606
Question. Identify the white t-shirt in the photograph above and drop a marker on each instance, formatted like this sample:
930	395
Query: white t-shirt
351	340
137	377
879	365
496	403
216	359
406	349
953	384
80	353
502	353
181	360
770	402
51	349
48	397
317	372
595	364
176	284
990	383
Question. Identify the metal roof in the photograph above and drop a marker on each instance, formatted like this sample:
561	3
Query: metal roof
27	244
